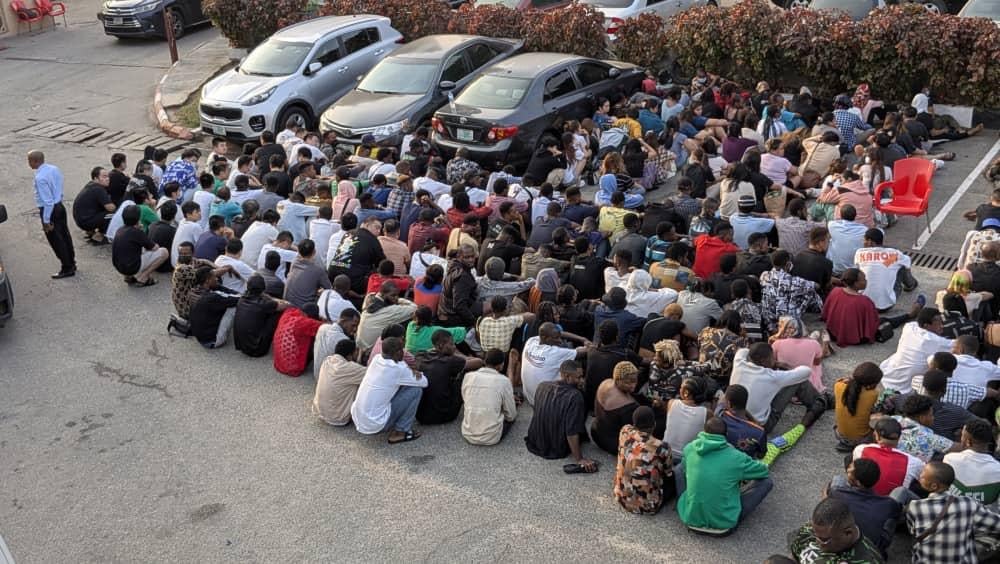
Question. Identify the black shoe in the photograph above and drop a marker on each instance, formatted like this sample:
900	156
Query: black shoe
64	274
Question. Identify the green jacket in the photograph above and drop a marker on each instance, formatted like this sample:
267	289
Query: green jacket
713	469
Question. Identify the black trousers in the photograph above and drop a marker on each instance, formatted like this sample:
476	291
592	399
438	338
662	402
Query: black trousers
59	238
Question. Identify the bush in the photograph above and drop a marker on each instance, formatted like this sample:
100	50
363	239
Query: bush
578	29
642	41
412	18
490	20
247	23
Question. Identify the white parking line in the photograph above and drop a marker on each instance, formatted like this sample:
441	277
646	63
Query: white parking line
962	189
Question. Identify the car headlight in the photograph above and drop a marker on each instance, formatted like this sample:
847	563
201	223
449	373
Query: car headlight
389	129
146	6
260	97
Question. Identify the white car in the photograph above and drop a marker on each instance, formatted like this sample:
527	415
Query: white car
297	73
989	9
616	11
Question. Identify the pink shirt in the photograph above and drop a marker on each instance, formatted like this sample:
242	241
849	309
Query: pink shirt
801	352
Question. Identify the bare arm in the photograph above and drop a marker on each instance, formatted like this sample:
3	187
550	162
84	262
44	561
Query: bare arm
575	451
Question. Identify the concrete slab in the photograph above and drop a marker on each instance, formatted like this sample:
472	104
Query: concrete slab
187	76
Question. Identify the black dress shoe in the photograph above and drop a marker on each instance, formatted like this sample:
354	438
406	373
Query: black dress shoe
64	274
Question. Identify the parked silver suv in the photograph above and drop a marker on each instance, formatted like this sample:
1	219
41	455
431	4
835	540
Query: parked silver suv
299	71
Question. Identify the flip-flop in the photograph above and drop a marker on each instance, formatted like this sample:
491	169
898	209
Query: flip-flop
574	468
407	437
148	282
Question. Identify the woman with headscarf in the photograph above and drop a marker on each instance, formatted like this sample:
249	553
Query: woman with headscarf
615	178
961	284
545	289
717	345
643	301
792	347
346	200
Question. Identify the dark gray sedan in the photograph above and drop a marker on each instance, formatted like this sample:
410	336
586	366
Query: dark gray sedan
501	116
406	87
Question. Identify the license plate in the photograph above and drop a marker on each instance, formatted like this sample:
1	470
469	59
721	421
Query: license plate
463	134
117	21
218	130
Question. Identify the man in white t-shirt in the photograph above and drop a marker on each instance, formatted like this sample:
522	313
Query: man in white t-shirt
205	197
117	221
971	370
846	237
389	394
236	279
320	230
260	233
917	340
333	301
284	247
771	390
432	184
188	230
977	473
746	222
887	270
541	359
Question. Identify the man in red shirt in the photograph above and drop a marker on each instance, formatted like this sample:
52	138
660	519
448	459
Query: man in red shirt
293	339
427	230
710	248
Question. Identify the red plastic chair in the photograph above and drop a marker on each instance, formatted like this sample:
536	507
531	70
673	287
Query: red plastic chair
25	14
52	9
911	190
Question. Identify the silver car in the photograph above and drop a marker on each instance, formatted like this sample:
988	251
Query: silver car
297	73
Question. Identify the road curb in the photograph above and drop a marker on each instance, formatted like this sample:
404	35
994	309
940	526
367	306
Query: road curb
162	119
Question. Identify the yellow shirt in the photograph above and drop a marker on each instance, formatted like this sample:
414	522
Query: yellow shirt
610	219
633	127
853	426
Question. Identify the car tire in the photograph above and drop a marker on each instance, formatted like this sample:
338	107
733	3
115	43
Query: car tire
933	6
294	110
178	22
789	4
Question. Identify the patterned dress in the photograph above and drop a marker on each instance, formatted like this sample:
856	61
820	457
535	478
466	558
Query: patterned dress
784	294
643	464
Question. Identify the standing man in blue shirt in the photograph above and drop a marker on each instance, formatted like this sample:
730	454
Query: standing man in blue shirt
48	197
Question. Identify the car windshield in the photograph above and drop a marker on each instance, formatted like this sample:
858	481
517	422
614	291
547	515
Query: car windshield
982	9
857	9
494	92
399	76
608	3
275	58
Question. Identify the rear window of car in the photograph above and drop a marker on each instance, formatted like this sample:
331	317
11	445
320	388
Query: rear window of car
982	9
494	92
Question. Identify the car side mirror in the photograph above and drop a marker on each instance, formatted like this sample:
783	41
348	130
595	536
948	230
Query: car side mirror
358	78
446	85
614	72
313	67
3	213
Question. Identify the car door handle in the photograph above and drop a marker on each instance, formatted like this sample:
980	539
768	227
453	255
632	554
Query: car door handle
380	51
343	69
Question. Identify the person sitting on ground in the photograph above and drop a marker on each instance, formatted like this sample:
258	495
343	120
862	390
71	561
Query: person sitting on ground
897	469
613	307
948	417
644	301
887	270
389	394
876	515
793	348
752	316
92	206
746	222
813	264
709	249
459	304
918	339
851	192
686	415
182	281
443	368
832	537
756	260
497	282
256	318
237	279
421	330
673	271
712	500
970	369
213	309
854	400
305	278
274	285
212	242
488	397
785	294
846	238
718	344
293	339
133	253
644	476
337	385
329	334
614	404
793	230
542	358
558	427
977	472
771	389
742	431
917	437
380	311
945	527
700	307
850	315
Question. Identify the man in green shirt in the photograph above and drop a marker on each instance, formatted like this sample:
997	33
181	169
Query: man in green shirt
832	537
712	500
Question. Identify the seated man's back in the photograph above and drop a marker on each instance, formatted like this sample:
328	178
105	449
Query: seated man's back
559	413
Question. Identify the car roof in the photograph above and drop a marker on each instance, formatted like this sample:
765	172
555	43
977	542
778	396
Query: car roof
434	46
313	30
530	65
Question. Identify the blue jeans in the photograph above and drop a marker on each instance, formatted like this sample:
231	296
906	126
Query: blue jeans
403	410
752	492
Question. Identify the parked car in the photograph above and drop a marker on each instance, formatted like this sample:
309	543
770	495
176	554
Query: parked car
6	311
989	9
501	116
854	7
144	18
407	86
616	11
296	73
528	4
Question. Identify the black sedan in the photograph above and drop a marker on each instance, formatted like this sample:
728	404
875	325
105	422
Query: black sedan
501	116
403	90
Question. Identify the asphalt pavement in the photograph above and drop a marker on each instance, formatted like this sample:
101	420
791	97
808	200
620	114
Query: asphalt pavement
119	443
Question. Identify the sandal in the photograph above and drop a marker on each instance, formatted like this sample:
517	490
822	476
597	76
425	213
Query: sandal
407	437
574	468
147	283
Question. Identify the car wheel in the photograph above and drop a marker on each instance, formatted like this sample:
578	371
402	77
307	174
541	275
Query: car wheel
797	4
177	21
294	111
934	6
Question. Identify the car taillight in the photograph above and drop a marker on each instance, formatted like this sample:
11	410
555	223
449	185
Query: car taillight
501	133
613	25
438	125
400	40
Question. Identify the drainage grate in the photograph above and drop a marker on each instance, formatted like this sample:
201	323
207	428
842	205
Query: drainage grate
933	262
91	136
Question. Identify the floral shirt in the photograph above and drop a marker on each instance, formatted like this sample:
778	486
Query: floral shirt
457	169
920	441
643	464
751	317
716	349
784	294
665	383
182	172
